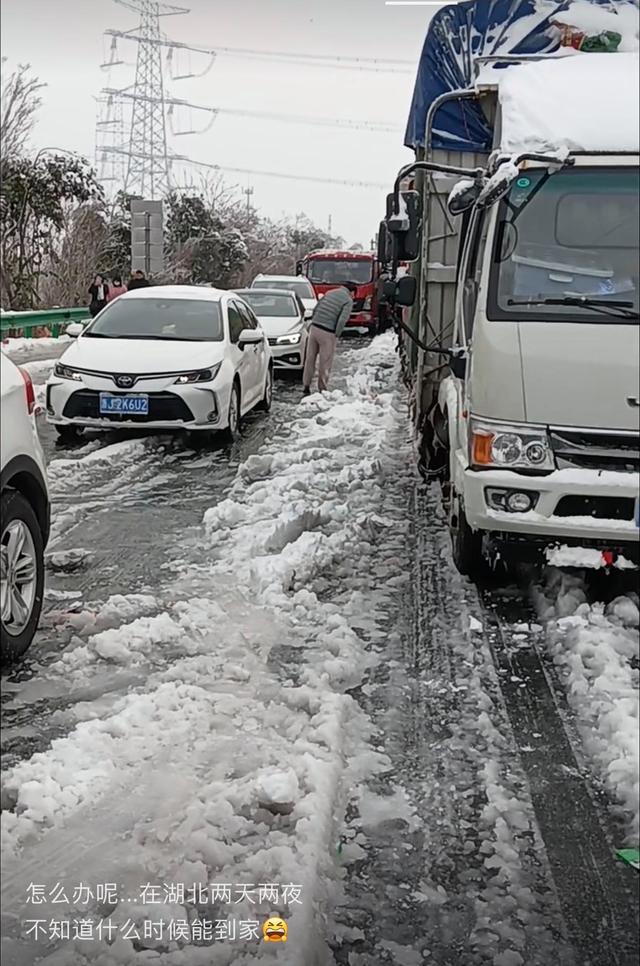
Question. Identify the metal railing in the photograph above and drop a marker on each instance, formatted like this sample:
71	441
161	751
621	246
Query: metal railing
25	324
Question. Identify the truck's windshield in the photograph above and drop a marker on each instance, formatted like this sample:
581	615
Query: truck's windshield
332	271
573	236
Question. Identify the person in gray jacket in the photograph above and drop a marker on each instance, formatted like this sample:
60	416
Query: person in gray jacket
329	318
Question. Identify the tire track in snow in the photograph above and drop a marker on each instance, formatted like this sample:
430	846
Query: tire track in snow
470	883
592	885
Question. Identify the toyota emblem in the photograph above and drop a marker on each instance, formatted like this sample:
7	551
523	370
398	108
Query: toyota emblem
124	381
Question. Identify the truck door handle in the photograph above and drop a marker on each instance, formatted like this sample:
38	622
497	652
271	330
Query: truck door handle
633	401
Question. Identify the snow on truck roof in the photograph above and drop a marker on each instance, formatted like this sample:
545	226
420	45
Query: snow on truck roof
585	103
461	34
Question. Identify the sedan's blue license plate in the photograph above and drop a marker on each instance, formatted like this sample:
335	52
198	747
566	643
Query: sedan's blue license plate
132	405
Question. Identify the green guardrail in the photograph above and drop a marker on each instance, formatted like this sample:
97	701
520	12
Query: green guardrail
54	320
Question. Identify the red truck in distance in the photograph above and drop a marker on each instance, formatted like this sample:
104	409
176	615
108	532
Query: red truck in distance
327	269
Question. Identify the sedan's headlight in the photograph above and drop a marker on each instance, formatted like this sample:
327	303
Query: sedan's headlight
497	445
198	375
66	372
293	339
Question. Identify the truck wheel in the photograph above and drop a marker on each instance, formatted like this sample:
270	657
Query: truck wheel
467	547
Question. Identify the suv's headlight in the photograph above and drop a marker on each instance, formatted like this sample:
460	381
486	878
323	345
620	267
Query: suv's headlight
198	375
66	372
367	303
498	445
288	339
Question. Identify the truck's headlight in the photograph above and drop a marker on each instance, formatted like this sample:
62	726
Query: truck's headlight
292	339
510	447
366	305
66	372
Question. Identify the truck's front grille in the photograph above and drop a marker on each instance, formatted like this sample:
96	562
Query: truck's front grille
588	450
599	507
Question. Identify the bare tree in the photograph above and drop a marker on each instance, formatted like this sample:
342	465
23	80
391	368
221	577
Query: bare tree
19	104
79	253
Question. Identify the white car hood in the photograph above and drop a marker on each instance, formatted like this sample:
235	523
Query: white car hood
137	356
273	327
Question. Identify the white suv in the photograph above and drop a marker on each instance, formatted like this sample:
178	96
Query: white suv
24	515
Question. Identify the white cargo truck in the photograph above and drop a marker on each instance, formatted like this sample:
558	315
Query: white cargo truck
522	339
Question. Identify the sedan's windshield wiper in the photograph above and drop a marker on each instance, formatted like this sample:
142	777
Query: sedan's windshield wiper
155	338
608	307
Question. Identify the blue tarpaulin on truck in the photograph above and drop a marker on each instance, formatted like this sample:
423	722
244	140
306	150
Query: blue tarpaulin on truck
457	35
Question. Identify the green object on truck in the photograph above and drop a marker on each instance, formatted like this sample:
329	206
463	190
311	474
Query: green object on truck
55	320
631	857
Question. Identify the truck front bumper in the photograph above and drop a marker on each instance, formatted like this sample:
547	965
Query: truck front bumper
587	508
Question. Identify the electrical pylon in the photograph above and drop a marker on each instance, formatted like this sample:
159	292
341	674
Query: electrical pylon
148	173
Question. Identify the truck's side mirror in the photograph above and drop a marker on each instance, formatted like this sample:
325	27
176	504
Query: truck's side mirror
298	268
405	290
463	196
404	225
385	251
499	184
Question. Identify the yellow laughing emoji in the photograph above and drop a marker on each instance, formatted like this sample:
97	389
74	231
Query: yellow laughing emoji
275	930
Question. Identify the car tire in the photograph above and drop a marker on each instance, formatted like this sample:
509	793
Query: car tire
372	331
232	432
265	403
68	434
466	546
18	517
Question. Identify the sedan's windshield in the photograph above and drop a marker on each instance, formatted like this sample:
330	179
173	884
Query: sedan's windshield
271	306
566	245
332	271
301	288
184	320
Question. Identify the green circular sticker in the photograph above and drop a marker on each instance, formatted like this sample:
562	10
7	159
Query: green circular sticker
523	182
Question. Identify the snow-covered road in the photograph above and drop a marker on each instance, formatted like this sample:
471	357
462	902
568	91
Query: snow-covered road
261	688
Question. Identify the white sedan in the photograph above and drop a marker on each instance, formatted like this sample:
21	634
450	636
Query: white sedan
282	316
172	357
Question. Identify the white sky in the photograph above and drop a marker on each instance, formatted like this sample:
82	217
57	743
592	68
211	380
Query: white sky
64	43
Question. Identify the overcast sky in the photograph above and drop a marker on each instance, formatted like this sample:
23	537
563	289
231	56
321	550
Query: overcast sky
64	42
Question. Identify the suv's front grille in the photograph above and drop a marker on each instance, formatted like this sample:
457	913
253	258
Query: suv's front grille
163	407
596	450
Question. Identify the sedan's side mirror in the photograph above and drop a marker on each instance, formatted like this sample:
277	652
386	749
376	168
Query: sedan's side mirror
308	314
74	330
249	337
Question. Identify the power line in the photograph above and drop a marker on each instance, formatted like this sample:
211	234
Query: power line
315	179
371	126
375	64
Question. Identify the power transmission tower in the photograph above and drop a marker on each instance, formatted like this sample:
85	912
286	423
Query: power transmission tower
148	164
248	191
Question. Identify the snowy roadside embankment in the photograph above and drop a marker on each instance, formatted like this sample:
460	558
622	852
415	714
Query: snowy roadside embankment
595	649
225	764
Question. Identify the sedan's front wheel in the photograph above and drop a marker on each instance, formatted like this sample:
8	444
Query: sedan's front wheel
233	417
21	574
265	402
